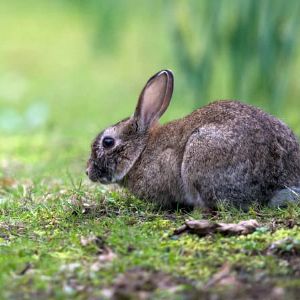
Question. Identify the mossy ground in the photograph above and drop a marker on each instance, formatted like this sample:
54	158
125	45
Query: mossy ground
44	219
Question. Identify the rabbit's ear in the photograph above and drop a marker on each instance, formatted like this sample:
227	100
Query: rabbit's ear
154	98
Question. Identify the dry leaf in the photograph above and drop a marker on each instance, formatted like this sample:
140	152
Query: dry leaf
6	182
241	228
224	277
105	254
205	227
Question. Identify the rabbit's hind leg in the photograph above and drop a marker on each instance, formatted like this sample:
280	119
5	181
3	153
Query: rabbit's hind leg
285	196
204	159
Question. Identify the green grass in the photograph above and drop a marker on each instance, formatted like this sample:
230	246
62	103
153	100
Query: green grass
60	84
42	224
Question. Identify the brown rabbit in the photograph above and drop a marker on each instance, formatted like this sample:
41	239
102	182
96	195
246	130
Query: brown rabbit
223	152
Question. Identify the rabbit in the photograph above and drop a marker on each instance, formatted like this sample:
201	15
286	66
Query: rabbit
224	152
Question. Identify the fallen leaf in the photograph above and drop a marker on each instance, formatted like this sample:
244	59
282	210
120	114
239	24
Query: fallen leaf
224	277
6	182
104	254
241	228
205	227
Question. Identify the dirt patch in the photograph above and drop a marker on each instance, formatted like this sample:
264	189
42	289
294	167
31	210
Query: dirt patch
143	284
226	284
234	283
254	292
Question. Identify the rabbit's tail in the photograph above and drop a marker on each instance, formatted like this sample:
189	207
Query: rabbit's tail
285	197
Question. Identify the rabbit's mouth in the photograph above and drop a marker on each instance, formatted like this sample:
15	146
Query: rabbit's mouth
96	175
93	176
106	180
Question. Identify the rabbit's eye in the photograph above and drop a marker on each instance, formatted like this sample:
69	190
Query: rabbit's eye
108	142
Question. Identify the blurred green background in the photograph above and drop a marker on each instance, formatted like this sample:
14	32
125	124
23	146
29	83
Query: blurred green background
68	68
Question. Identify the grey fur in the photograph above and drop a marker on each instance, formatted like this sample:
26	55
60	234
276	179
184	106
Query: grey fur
225	151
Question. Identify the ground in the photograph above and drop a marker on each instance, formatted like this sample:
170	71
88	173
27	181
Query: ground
65	237
62	237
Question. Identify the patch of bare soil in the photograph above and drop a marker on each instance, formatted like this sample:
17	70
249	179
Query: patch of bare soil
225	284
229	283
253	292
142	284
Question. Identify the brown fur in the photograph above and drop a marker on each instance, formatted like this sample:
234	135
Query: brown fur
225	151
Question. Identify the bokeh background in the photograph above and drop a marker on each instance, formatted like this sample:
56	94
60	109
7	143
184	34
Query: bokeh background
68	68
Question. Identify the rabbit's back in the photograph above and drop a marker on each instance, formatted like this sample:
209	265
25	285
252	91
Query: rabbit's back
237	153
225	151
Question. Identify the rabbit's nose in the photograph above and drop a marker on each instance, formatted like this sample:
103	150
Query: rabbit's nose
87	171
